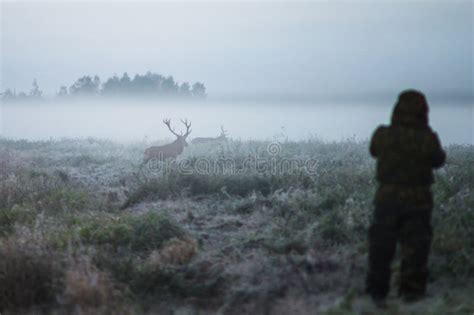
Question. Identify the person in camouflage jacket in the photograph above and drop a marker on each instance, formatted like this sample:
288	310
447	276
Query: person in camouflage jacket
407	151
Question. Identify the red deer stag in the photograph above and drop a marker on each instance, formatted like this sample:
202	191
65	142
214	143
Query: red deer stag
221	138
170	150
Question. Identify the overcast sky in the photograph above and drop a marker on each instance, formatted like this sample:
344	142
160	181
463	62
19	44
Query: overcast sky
244	48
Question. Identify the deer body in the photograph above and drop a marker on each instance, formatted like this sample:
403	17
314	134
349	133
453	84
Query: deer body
163	152
170	150
206	140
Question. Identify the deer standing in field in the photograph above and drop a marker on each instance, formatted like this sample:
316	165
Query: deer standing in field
170	150
204	140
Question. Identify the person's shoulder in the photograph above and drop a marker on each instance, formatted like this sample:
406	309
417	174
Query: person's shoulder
382	128
431	134
381	131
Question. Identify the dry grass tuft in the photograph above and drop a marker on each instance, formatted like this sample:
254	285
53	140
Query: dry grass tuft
86	286
174	252
29	275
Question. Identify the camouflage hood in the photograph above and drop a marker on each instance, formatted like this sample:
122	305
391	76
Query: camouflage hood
411	110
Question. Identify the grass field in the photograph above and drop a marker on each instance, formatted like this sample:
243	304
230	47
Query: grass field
248	227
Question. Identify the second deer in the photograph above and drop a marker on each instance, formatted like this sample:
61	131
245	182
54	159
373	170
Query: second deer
206	140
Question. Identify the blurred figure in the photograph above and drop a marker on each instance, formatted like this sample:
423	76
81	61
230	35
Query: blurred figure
407	151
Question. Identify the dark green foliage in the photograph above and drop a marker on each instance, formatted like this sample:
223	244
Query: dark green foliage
101	232
140	233
333	229
64	200
15	215
151	230
151	280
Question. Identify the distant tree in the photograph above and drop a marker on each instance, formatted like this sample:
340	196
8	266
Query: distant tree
62	91
185	89
169	87
157	80
150	84
199	90
22	96
111	86
8	95
35	92
125	82
96	81
85	86
143	84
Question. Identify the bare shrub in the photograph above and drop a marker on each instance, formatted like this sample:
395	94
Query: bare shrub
85	286
29	275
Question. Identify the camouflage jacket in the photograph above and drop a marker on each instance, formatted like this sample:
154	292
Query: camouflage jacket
406	158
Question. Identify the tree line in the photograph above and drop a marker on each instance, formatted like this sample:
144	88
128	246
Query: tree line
149	84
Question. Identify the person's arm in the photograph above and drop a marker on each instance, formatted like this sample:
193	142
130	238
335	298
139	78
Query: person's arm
375	143
439	156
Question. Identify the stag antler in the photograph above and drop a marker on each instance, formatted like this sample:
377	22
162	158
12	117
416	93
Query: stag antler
167	122
223	131
187	123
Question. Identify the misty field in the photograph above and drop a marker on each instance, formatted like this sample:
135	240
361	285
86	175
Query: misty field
250	227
